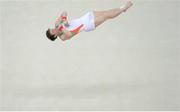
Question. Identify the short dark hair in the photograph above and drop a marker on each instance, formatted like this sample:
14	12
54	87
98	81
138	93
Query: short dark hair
50	36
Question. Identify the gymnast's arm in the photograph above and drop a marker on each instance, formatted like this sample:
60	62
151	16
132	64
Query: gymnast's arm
66	35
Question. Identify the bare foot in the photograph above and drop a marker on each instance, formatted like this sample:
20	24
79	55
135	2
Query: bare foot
127	6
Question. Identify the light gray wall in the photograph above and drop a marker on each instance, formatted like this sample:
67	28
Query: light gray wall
0	58
129	63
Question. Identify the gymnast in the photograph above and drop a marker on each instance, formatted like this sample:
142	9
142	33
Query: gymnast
65	29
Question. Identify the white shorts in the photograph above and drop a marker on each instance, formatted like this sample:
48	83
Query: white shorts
87	20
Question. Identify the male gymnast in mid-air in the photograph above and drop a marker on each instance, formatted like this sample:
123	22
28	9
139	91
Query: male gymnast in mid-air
65	29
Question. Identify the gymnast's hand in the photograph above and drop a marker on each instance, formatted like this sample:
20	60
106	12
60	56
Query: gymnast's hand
62	20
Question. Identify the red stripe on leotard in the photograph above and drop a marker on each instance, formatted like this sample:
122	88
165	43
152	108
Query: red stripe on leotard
77	30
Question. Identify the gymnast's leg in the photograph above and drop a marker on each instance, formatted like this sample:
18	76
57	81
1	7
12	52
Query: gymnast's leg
102	16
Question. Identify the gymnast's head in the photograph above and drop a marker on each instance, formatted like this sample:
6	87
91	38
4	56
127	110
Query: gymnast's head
50	35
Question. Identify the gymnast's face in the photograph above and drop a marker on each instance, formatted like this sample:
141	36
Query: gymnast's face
54	32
